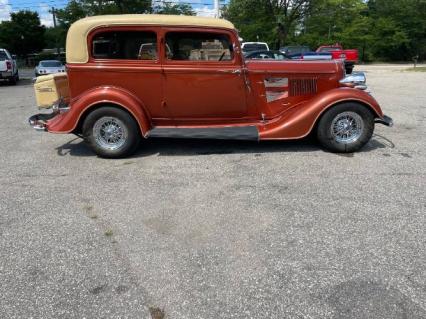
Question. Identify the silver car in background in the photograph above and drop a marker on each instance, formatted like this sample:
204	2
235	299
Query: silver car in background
49	67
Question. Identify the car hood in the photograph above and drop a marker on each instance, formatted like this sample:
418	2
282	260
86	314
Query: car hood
300	67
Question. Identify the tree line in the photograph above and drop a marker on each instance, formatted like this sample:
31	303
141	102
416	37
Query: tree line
387	30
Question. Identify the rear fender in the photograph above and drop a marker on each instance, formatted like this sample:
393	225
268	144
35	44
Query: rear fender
80	106
299	121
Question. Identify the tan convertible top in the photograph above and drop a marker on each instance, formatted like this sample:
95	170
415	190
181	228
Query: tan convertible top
76	47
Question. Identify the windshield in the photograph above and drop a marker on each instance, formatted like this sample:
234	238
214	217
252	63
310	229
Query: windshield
3	56
254	47
50	64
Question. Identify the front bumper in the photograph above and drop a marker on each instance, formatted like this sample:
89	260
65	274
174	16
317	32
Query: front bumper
385	120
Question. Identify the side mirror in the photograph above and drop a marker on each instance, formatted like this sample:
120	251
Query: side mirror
14	57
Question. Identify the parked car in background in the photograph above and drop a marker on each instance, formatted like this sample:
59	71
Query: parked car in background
8	67
295	50
113	96
254	46
49	67
325	52
265	55
311	56
350	56
303	52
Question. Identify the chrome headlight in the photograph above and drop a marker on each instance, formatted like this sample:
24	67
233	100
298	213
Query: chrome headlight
356	80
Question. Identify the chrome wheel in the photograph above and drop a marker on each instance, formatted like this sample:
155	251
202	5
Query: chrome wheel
110	133
347	127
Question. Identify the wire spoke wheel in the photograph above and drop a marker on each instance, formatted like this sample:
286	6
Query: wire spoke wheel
110	133
347	127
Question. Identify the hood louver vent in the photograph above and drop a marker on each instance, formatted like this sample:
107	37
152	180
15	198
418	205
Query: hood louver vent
303	86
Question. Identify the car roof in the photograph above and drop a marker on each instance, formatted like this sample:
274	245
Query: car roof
76	45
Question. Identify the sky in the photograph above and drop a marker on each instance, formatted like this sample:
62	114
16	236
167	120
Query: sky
201	7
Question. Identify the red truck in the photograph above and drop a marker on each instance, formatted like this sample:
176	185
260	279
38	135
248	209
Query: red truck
336	50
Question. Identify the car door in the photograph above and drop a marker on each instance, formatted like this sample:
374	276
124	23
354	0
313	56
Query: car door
203	78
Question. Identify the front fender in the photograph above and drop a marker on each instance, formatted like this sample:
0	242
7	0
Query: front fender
299	121
67	122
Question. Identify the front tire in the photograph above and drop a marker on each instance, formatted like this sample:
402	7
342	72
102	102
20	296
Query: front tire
345	128
111	132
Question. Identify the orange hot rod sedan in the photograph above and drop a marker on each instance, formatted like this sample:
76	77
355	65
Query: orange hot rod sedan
137	76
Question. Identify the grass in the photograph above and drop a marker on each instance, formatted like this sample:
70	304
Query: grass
89	210
109	233
157	313
417	69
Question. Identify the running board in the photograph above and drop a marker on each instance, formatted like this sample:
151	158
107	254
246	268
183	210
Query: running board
220	133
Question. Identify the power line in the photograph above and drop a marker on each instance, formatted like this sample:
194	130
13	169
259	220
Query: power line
34	6
37	4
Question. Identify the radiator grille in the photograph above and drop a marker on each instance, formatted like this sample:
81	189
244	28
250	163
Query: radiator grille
303	86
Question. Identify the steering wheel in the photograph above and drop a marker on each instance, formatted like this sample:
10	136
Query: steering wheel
222	56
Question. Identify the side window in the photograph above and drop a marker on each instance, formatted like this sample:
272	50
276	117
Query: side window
198	46
125	45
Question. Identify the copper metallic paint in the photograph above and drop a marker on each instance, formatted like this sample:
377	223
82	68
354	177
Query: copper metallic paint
164	93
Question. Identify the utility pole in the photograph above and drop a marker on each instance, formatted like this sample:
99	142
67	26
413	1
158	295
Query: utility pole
216	9
56	37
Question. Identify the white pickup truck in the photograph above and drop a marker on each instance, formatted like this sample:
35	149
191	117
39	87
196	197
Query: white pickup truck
8	67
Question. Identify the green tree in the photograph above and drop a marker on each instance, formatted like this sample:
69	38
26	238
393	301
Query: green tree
77	9
23	34
399	28
337	21
175	8
268	20
71	13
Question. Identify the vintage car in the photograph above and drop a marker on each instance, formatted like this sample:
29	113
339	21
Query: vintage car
49	67
131	77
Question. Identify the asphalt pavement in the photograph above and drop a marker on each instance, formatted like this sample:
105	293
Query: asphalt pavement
216	229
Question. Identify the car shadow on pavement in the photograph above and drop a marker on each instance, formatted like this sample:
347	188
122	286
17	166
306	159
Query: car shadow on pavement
193	147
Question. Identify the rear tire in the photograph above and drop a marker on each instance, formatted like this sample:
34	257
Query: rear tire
12	80
345	128
111	132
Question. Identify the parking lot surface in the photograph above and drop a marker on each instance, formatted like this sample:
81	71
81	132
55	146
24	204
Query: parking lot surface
216	229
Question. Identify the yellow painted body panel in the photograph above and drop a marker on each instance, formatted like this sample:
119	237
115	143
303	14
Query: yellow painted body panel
50	89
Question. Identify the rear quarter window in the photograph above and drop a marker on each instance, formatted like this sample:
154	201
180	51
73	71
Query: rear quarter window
125	45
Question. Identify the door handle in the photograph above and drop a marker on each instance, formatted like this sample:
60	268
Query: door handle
236	71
